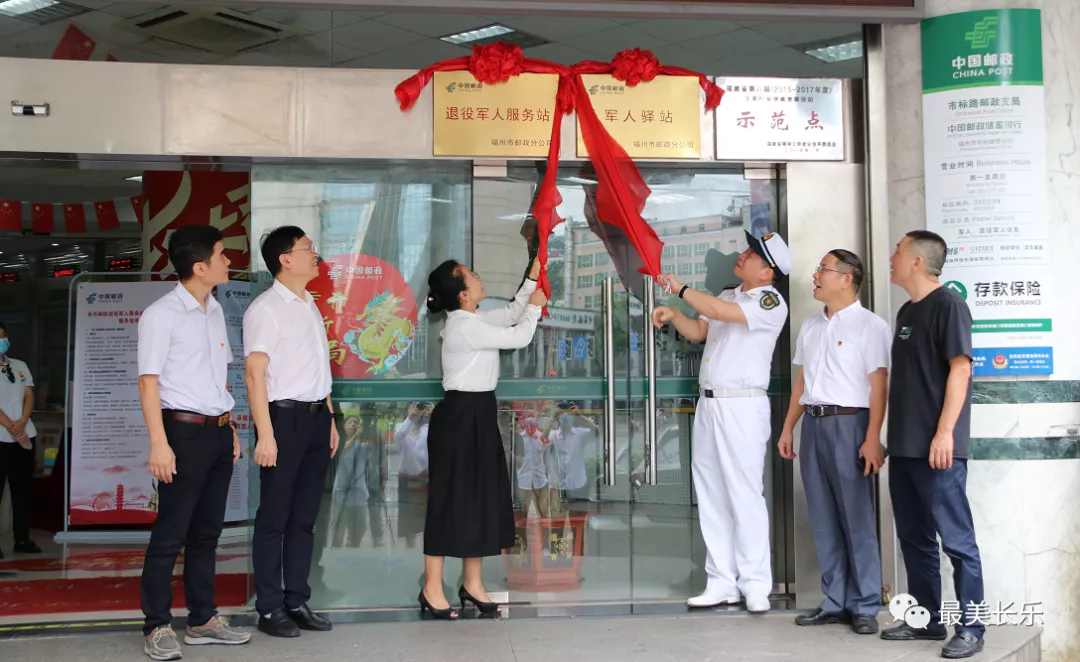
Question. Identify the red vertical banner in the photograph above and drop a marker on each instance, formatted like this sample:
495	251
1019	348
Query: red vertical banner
11	215
107	218
176	199
41	214
74	218
74	45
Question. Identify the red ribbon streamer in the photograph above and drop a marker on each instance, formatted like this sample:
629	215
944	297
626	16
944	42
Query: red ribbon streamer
621	191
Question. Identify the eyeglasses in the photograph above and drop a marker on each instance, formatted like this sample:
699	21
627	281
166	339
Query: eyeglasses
311	248
818	269
6	369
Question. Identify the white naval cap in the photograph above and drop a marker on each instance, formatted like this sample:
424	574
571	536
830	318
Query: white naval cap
773	250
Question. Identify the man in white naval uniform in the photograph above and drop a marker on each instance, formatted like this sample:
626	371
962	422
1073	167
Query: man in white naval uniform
732	425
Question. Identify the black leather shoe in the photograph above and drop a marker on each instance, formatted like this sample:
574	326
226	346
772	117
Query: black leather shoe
821	617
864	624
306	619
278	624
27	547
905	632
963	644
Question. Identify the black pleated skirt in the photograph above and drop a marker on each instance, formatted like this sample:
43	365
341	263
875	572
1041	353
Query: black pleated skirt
470	511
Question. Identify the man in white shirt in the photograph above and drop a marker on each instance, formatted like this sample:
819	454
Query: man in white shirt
841	378
17	435
184	355
287	371
732	424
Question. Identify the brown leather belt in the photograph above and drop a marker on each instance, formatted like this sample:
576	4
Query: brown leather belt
197	419
818	411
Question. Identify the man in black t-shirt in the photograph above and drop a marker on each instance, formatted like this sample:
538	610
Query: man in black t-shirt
928	439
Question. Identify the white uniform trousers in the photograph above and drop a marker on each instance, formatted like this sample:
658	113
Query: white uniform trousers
731	436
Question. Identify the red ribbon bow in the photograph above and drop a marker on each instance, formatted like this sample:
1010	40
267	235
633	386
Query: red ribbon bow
621	191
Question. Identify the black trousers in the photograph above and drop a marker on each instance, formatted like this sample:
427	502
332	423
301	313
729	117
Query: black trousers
17	469
928	503
290	494
191	513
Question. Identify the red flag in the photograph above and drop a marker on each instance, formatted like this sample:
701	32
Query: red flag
75	45
41	213
137	203
74	218
111	58
11	215
106	215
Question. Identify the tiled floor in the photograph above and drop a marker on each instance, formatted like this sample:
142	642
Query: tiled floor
744	638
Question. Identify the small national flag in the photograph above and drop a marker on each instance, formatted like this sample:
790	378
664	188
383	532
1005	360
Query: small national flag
74	218
11	215
107	219
75	45
137	203
41	214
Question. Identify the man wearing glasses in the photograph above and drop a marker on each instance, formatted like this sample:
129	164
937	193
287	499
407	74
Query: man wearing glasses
17	442
841	378
184	355
287	371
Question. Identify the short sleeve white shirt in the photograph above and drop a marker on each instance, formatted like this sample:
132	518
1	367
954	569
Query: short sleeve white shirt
838	354
289	330
188	349
471	341
12	395
737	355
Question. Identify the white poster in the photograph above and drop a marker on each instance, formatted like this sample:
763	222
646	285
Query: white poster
110	448
234	298
984	139
780	119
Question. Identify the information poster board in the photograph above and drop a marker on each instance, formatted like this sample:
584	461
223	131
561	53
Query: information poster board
111	482
984	138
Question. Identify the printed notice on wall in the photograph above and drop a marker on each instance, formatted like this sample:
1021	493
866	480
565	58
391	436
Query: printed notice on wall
110	448
234	298
780	119
984	138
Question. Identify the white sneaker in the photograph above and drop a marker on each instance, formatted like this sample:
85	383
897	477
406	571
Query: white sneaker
713	597
757	604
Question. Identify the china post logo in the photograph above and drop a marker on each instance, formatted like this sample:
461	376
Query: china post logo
958	287
91	298
983	33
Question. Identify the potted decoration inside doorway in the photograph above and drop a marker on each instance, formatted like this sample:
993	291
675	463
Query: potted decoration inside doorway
549	541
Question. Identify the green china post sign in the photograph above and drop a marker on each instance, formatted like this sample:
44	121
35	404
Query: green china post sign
982	48
984	145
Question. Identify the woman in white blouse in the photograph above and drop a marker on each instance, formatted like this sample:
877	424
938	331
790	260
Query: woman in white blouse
470	509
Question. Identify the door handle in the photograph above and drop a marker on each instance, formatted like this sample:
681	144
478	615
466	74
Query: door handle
609	381
650	377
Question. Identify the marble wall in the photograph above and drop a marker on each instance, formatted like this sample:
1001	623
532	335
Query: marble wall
1024	479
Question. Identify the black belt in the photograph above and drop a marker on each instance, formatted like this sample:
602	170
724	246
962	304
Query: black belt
818	411
197	419
301	405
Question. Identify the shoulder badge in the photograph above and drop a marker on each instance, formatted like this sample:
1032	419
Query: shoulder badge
769	300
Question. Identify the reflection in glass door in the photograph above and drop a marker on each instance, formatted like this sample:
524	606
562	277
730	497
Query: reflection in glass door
636	509
596	412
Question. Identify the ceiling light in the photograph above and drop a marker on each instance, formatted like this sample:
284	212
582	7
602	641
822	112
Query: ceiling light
849	50
20	7
56	244
480	34
493	33
41	12
136	178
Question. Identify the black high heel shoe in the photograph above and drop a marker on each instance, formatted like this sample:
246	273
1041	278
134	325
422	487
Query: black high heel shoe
487	609
447	614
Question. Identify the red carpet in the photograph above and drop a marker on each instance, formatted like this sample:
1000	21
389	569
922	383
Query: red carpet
59	596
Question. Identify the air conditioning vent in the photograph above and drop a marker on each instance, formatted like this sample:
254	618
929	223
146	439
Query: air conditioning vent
221	31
